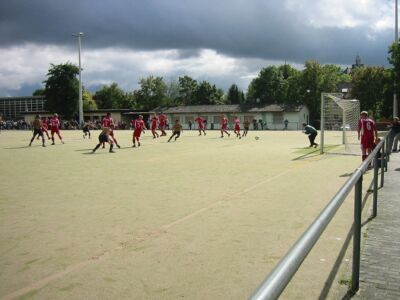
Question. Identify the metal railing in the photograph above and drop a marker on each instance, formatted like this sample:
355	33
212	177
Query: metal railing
280	276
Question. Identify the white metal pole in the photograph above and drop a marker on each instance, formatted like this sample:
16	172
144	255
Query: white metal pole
322	125
80	103
396	40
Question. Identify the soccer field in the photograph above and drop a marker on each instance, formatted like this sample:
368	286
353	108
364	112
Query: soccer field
199	218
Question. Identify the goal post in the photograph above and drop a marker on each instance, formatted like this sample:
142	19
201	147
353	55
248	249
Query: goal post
340	115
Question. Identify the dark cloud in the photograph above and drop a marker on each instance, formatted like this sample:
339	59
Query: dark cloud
256	28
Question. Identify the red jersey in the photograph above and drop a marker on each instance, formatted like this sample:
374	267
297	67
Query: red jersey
237	124
200	122
154	121
107	122
224	123
367	128
45	126
163	119
54	122
138	124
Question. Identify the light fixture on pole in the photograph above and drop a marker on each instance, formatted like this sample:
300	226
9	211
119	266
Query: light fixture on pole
80	103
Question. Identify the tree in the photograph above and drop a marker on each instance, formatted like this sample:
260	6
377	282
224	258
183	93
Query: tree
111	97
187	88
368	86
269	87
88	102
290	87
152	93
235	96
394	59
62	89
39	92
311	89
173	96
207	94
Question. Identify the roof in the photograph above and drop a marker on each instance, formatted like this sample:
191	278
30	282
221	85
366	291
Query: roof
229	108
22	98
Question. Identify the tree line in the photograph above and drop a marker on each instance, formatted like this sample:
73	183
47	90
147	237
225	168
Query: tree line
372	85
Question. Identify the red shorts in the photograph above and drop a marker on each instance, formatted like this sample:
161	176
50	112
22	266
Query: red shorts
367	143
201	127
55	130
137	132
162	125
224	127
237	128
153	127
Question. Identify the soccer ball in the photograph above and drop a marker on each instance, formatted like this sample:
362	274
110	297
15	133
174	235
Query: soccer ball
257	138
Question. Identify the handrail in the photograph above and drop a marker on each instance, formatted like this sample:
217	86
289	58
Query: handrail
274	284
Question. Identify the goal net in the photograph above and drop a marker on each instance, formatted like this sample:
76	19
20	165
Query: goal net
339	120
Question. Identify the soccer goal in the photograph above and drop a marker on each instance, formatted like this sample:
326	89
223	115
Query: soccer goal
340	116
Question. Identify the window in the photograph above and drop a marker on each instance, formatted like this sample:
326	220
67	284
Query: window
277	118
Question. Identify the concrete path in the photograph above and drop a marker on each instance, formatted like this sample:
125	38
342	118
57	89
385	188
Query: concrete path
380	258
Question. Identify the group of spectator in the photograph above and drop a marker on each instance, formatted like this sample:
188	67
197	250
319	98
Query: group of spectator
11	124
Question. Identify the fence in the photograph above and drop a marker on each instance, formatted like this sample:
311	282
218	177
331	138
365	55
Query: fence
280	276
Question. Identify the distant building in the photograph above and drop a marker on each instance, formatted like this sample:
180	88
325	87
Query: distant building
270	116
358	64
13	108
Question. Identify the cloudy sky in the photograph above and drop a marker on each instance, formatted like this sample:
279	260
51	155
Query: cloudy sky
222	41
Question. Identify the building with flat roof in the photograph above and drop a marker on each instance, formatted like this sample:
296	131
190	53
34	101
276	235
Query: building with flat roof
12	108
271	116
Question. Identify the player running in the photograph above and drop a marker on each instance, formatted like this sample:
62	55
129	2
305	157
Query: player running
176	130
246	125
237	128
139	127
55	128
367	132
108	122
200	123
104	137
45	127
37	130
224	126
86	129
154	123
163	123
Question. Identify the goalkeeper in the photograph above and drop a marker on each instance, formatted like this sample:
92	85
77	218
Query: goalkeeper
312	134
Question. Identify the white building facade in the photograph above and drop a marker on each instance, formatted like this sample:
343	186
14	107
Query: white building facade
267	117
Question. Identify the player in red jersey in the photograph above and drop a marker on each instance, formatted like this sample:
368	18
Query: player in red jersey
45	127
139	126
55	128
163	123
237	128
200	123
154	123
368	134
224	126
108	122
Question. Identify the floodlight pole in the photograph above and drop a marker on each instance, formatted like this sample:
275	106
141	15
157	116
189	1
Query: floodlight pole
80	102
396	40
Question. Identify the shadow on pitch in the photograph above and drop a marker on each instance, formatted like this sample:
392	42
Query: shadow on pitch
22	147
346	175
307	155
